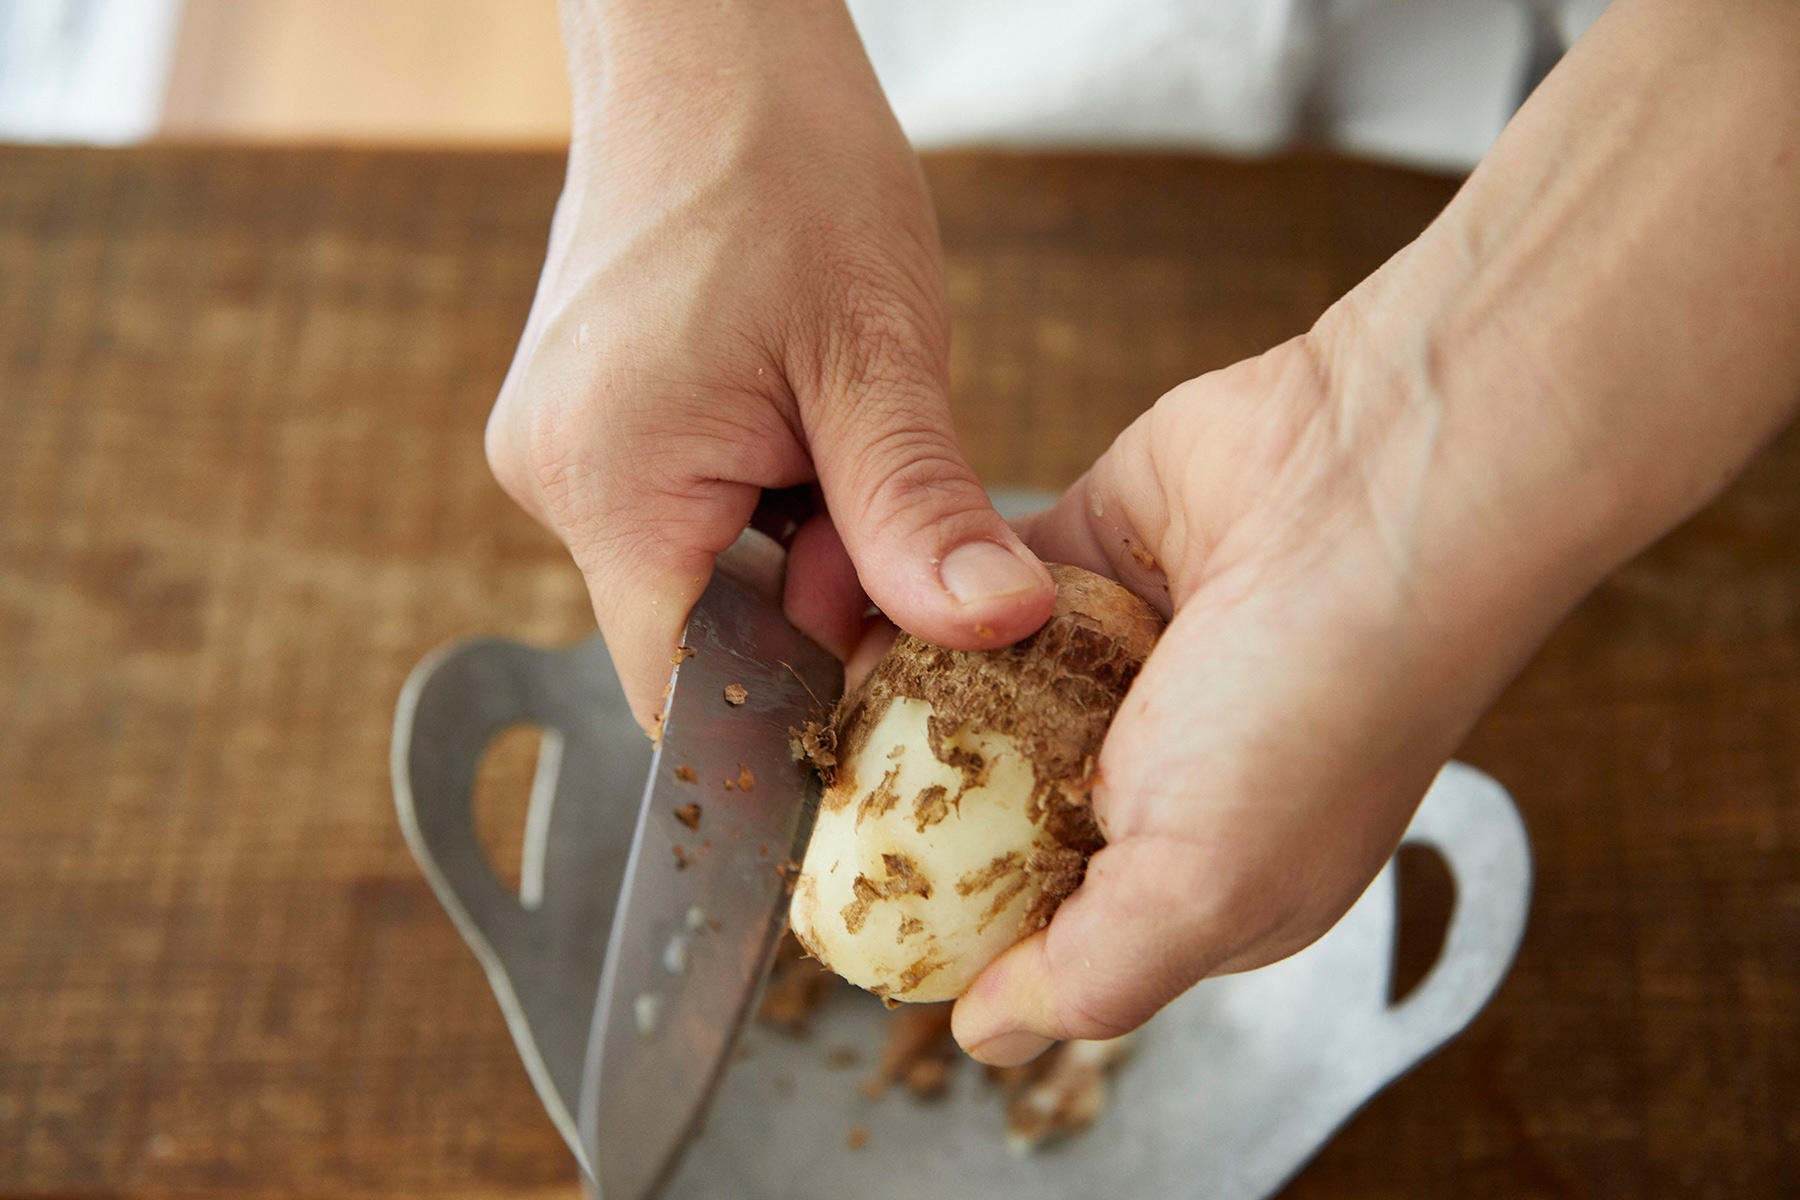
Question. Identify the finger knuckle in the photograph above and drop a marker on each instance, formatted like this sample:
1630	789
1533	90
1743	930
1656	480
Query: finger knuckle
1095	1012
574	464
911	475
558	458
500	446
1258	921
1091	1004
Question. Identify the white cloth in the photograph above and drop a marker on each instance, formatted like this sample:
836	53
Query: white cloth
87	71
1429	82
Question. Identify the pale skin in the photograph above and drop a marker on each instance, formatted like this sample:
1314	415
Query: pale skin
1360	535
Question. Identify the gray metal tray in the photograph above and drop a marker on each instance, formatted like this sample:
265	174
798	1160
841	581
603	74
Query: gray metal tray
1229	1091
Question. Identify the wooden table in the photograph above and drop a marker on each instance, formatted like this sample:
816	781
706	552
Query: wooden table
242	492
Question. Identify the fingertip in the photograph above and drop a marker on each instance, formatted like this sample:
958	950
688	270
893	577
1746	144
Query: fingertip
1094	972
1003	1018
979	596
643	629
644	578
645	665
1012	1049
930	548
983	573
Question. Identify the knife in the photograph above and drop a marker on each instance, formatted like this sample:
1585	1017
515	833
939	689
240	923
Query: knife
705	892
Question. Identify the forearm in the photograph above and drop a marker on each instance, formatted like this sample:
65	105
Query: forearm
1602	327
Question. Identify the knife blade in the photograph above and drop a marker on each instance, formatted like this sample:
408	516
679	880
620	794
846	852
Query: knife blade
702	907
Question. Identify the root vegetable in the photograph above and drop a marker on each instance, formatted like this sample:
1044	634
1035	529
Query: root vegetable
956	814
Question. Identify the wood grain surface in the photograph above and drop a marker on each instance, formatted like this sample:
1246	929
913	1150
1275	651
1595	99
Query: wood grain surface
242	492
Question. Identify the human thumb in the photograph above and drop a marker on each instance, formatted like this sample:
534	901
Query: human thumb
927	543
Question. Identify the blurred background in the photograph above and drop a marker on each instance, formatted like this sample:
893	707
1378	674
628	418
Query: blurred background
1416	81
458	71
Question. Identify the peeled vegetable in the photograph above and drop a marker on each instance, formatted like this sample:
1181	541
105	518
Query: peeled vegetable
956	814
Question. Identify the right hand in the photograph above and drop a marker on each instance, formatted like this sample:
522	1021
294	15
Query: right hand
744	290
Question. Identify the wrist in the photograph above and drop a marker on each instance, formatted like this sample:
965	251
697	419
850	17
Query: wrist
686	66
1480	489
1597	333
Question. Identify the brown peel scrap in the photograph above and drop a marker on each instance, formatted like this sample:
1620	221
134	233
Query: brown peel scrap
798	985
1059	1094
816	743
919	1052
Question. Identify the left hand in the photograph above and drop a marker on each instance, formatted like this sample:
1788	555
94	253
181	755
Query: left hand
1366	531
1316	673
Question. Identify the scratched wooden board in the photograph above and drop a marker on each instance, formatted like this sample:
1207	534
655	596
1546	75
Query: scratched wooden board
241	492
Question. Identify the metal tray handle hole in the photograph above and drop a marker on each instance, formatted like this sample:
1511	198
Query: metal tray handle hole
1424	902
515	786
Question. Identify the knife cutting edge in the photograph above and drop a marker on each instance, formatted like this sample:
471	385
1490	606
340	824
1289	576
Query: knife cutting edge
726	813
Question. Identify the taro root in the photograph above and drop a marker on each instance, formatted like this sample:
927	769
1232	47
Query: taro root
956	812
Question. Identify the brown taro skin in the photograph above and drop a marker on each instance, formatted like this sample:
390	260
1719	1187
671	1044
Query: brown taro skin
1055	691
